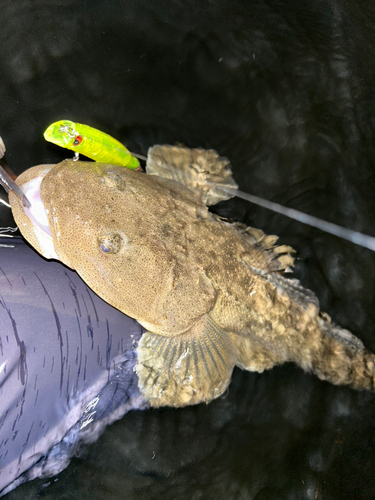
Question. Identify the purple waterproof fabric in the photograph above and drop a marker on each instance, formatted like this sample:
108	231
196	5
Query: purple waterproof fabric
66	365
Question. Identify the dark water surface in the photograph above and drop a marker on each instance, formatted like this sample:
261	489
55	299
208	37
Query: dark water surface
286	90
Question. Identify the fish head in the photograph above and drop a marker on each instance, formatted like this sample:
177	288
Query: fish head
76	212
100	220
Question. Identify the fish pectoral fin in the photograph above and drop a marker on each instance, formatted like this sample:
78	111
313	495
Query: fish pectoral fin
186	369
193	168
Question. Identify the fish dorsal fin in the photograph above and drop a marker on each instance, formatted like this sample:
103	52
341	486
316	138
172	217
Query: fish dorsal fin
294	291
264	255
193	168
270	260
190	368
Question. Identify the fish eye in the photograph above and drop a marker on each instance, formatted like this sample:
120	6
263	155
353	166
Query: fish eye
77	140
110	243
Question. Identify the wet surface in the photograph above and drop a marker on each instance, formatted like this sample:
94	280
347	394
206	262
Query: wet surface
66	365
285	91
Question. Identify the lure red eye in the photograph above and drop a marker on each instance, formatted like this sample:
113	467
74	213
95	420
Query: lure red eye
77	140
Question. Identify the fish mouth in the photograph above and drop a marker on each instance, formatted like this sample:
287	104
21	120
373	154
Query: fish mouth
36	212
33	220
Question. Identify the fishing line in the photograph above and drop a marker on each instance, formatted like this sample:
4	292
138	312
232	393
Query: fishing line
141	157
347	234
4	202
355	237
4	230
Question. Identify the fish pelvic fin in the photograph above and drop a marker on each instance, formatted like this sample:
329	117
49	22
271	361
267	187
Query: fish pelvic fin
187	369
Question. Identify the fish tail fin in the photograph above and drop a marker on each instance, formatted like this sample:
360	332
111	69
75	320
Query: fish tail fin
323	348
336	355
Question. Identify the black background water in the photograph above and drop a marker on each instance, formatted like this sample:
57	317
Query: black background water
285	89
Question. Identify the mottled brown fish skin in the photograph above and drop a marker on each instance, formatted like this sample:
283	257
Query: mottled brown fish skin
211	294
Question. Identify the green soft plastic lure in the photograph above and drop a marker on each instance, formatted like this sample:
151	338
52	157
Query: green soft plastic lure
90	142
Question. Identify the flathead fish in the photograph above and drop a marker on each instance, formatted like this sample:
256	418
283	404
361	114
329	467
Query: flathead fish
211	294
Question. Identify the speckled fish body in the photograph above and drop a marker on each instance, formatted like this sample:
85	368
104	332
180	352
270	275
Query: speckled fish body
210	294
66	365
